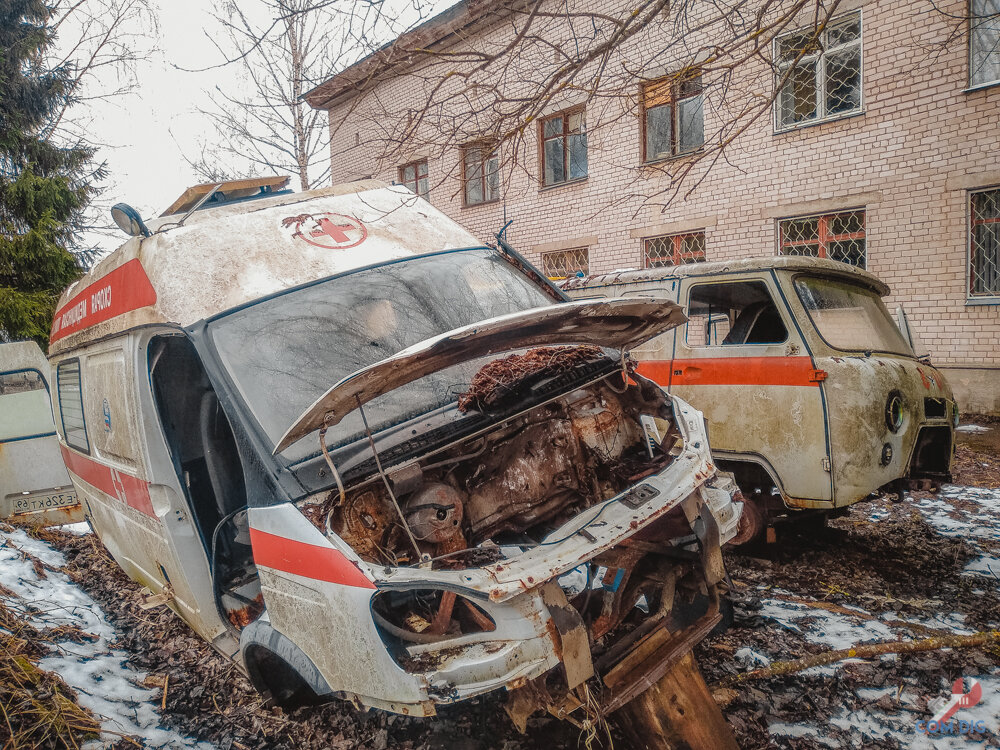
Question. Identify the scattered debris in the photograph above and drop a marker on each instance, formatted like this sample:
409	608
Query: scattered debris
500	378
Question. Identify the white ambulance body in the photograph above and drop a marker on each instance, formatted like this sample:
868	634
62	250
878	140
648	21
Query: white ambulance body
259	415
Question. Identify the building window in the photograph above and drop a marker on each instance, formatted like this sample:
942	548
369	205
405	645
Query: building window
564	148
673	122
839	236
481	173
984	244
822	76
564	263
674	249
414	176
984	42
71	405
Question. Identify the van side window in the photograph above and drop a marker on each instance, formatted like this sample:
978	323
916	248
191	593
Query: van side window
71	405
24	404
732	314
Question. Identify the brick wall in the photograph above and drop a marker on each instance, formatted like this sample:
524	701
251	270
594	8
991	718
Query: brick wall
909	159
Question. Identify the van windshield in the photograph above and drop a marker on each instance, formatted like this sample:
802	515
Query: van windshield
285	352
850	316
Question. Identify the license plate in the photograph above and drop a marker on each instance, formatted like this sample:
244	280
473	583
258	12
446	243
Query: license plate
28	504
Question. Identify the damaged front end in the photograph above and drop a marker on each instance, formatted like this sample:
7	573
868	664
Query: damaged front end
567	548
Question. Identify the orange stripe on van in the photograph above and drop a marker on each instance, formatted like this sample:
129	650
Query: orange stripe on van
306	560
733	371
122	290
130	490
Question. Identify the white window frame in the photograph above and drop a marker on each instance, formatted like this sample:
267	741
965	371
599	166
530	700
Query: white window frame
820	77
970	298
972	86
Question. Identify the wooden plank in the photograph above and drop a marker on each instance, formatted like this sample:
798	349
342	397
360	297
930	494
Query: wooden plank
677	713
190	196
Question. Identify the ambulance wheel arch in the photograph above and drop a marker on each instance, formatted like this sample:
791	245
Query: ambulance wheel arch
278	669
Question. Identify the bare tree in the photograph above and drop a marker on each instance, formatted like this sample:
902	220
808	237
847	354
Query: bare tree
488	73
546	54
282	49
100	43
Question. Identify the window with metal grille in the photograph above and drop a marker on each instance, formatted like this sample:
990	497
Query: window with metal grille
673	120
414	176
839	236
481	174
674	249
71	405
564	263
984	244
984	42
564	147
821	74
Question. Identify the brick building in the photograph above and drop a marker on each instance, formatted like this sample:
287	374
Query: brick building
881	148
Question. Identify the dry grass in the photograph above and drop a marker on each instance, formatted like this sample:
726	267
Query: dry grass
37	709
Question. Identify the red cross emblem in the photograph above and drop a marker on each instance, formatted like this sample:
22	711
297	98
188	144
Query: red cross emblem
331	231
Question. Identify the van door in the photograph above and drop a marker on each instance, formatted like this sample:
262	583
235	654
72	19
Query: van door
130	506
34	484
741	360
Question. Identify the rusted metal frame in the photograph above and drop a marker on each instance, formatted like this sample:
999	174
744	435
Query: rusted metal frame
645	672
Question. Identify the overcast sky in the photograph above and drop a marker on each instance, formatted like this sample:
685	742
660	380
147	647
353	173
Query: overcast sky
146	133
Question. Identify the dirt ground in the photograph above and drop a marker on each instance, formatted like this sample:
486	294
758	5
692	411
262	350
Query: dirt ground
886	569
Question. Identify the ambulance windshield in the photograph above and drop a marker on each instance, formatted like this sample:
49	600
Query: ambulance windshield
850	316
285	352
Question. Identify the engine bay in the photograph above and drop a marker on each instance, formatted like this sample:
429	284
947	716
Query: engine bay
510	486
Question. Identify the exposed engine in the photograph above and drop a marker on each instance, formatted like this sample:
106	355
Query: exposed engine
511	485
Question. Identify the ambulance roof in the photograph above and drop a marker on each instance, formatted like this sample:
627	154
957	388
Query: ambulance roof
822	266
224	257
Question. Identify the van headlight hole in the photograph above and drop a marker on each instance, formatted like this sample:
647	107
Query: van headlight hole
894	411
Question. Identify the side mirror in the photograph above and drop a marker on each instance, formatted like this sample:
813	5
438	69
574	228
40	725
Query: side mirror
128	220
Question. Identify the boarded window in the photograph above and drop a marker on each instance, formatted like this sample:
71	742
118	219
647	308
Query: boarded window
24	404
414	176
564	263
820	74
481	174
984	42
71	405
674	249
673	120
564	147
984	244
839	236
733	314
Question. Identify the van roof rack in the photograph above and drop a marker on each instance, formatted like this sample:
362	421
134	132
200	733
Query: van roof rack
214	193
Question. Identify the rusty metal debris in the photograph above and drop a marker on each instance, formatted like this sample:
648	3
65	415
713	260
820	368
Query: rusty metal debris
498	380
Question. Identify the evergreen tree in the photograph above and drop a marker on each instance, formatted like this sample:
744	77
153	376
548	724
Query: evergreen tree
44	185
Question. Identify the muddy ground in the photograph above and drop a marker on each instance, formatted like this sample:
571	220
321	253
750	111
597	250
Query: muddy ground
886	570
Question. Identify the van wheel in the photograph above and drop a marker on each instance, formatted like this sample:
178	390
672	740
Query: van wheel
278	682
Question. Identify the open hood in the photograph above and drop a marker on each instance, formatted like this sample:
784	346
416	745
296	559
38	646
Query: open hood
614	323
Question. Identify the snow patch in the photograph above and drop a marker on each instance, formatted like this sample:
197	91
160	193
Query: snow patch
105	684
972	428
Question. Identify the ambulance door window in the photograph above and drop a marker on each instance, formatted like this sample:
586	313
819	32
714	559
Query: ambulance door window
733	314
24	406
70	390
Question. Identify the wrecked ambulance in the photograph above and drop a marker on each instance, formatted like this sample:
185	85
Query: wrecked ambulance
813	396
369	458
34	485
